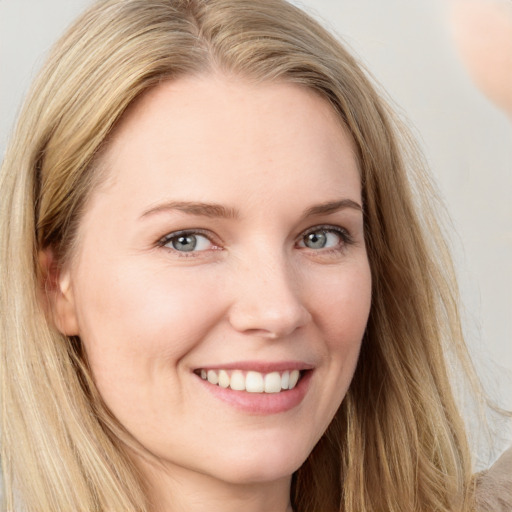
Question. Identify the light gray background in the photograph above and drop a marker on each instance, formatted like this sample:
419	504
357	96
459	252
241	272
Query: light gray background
407	46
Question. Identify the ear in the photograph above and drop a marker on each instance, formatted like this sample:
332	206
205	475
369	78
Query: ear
58	298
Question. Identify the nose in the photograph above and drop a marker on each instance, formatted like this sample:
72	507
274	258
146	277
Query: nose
267	299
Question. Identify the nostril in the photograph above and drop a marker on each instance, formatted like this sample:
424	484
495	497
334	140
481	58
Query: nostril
269	323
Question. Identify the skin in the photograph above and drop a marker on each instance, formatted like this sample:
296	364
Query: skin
482	32
150	316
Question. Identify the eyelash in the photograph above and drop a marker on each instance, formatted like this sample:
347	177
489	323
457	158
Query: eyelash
167	239
346	240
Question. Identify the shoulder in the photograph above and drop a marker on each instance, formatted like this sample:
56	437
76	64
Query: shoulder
494	486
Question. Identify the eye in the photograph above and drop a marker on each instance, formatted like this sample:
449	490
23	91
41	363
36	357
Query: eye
325	237
187	242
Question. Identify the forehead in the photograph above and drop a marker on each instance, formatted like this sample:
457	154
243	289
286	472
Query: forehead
201	133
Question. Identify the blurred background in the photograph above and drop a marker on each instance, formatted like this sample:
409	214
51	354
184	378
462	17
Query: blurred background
447	67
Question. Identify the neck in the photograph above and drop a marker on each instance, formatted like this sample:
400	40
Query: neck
182	490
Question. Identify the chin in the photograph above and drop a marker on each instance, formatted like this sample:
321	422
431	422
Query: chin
262	463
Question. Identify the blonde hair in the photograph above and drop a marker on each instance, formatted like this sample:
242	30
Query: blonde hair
397	442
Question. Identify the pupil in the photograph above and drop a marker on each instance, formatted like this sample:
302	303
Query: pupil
316	240
185	243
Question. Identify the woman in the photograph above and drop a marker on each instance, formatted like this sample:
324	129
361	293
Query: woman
220	292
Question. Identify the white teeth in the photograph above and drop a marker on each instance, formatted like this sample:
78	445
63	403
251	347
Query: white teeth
285	380
223	379
212	376
272	382
294	377
237	381
252	382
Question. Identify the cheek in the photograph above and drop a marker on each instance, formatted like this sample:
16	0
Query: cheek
137	320
345	304
342	306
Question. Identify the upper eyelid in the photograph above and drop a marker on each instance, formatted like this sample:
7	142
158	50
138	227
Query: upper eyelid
344	234
193	231
163	242
325	227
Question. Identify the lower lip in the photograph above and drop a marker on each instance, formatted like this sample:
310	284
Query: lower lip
262	403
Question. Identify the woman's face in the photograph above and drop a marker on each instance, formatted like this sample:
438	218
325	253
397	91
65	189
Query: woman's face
222	258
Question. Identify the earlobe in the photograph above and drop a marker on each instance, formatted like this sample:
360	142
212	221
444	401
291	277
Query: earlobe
58	297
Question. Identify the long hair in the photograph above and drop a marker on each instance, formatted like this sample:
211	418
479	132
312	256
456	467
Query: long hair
397	442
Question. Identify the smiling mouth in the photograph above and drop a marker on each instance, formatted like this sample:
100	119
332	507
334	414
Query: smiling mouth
252	381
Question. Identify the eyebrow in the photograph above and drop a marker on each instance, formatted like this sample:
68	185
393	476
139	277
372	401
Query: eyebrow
214	210
195	208
332	207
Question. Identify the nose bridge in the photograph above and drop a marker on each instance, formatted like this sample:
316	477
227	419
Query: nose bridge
267	298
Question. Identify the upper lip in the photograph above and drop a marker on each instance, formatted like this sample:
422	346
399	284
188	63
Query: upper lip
259	366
